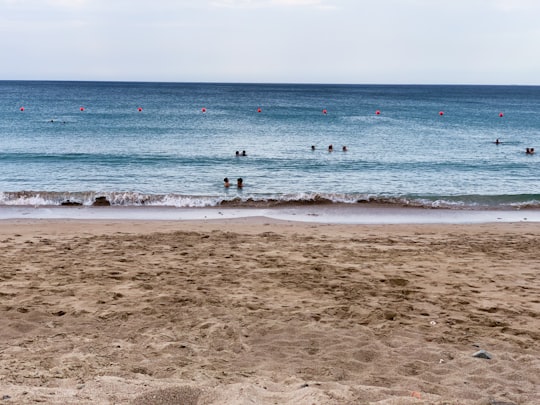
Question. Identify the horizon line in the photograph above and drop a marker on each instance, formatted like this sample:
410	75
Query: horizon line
265	83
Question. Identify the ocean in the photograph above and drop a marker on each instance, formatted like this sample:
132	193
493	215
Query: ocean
172	144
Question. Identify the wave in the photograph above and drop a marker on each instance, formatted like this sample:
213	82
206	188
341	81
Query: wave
91	198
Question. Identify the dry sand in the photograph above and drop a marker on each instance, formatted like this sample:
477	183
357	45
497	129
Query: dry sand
253	311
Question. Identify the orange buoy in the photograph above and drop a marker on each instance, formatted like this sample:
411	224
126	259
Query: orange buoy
203	109
22	108
441	112
259	109
501	114
325	111
82	108
378	112
139	109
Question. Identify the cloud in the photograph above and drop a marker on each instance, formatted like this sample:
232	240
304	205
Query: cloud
517	5
36	4
271	40
320	4
297	2
67	3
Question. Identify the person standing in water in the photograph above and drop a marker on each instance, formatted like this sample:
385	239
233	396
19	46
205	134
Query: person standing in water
226	183
239	183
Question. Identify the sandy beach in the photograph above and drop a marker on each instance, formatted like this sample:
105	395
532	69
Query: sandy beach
263	311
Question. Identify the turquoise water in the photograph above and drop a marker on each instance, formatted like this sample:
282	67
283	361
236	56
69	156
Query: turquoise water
174	153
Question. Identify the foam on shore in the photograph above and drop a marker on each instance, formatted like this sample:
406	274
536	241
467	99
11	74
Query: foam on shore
334	214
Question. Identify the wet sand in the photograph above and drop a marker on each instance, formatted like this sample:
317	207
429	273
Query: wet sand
257	310
372	214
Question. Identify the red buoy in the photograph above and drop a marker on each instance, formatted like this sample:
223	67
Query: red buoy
378	112
325	111
203	109
259	109
139	109
441	112
82	108
501	114
22	108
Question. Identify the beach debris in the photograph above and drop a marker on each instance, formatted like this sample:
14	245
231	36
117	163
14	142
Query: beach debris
482	354
494	402
416	394
433	323
101	202
5	397
390	315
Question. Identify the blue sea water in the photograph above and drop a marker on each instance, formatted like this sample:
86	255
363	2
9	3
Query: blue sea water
172	153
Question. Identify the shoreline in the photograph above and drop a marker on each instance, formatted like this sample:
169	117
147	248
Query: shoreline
66	228
325	214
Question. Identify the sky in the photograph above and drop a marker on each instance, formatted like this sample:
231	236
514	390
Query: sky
272	41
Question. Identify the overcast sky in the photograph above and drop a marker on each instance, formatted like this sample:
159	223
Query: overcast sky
287	41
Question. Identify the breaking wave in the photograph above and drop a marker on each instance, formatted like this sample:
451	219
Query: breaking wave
88	198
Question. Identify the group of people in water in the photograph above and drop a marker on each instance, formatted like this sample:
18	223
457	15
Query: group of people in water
331	148
239	182
528	151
